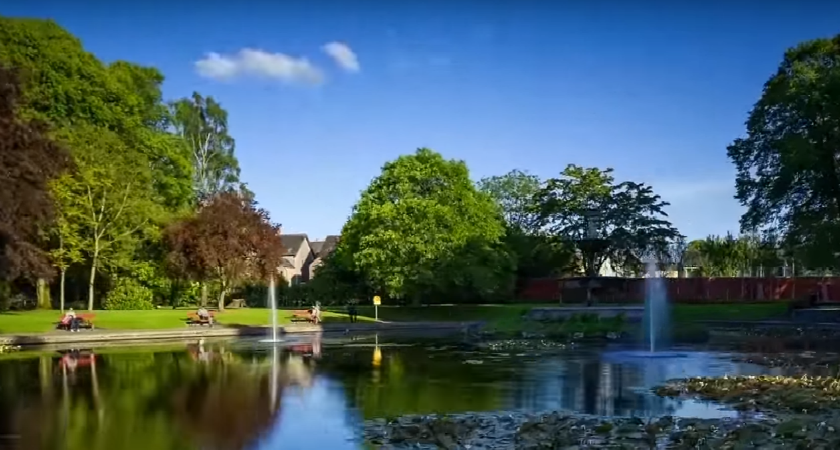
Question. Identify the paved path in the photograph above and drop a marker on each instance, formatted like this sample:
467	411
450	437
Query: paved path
100	335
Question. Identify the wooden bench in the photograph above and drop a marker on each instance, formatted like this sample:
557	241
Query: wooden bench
236	304
303	315
85	321
194	320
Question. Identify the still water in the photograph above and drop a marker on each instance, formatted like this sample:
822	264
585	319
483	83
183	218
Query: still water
314	393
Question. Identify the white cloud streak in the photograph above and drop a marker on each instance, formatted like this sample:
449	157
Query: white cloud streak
249	62
343	56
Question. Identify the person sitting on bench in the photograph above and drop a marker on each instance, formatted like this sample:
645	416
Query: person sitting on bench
204	315
70	320
316	313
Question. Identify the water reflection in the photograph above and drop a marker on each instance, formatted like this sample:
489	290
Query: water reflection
302	395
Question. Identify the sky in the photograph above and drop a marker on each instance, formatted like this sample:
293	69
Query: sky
321	93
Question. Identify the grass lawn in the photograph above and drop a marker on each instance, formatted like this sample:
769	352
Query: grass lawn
498	316
681	313
41	321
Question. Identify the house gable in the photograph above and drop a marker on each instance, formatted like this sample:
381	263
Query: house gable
297	257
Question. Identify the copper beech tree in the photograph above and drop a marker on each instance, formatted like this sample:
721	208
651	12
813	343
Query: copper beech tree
229	240
29	160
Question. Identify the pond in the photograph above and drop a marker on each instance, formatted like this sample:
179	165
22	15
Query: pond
314	393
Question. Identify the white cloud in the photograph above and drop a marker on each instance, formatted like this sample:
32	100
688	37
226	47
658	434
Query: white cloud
259	63
343	55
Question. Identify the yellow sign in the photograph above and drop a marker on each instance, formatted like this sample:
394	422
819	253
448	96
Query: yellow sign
376	300
377	357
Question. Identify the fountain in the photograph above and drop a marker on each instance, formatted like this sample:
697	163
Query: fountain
272	304
655	319
656	309
275	374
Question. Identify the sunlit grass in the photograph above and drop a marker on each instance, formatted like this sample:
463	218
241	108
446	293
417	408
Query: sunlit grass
41	321
504	317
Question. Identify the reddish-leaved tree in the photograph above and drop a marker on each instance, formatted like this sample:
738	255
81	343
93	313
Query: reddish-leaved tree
29	159
230	240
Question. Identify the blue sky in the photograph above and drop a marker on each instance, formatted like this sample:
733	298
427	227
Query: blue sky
653	90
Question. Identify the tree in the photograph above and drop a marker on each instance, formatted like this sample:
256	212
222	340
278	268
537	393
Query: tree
514	192
230	240
29	159
114	194
673	255
421	213
70	88
202	123
537	255
68	250
788	173
630	219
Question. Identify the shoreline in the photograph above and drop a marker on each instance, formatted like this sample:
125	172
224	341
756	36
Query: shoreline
134	336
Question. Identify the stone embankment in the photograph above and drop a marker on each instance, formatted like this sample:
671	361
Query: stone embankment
220	331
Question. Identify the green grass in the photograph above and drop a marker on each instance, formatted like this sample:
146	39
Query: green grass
500	317
42	321
686	314
510	314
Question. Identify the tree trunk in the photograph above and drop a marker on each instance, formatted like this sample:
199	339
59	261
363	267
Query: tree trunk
45	371
43	293
203	294
93	264
61	289
222	298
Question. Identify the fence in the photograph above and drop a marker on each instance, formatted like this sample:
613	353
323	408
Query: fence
687	290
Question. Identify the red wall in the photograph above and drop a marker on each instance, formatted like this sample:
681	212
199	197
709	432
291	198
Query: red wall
696	289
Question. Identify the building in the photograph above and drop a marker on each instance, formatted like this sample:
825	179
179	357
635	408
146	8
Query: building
302	257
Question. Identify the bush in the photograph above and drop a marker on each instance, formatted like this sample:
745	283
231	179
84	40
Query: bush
129	294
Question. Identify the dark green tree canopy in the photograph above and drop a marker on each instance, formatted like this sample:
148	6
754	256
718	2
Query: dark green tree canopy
630	218
788	165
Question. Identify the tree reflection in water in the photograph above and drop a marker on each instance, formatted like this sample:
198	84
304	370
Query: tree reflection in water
207	396
160	400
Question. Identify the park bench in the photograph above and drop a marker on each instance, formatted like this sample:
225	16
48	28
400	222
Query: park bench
85	322
303	315
237	303
194	320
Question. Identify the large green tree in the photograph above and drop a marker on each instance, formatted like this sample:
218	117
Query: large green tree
515	193
112	198
415	220
628	218
75	92
537	255
202	124
788	165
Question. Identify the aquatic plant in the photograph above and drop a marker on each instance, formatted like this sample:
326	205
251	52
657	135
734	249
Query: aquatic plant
803	394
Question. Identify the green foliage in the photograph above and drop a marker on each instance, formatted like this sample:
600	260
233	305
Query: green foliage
787	167
128	293
515	193
423	213
136	164
629	217
201	122
731	256
536	254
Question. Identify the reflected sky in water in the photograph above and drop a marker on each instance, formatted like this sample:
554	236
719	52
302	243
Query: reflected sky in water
241	395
